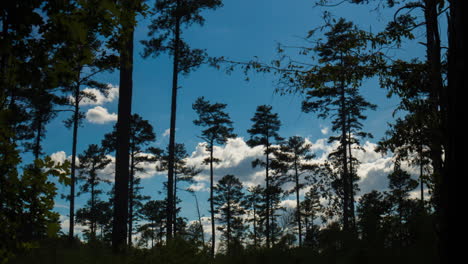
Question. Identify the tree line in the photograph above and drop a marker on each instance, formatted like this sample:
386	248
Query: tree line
52	50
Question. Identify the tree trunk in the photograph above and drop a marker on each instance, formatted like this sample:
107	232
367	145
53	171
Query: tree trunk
345	172
93	205
255	227
119	228
130	199
351	185
455	82
170	177
175	201
213	235
76	114
37	145
298	206
267	190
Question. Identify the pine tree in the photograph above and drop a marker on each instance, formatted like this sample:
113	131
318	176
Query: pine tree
264	132
293	158
229	204
218	130
92	161
332	88
254	203
171	15
141	135
153	211
182	172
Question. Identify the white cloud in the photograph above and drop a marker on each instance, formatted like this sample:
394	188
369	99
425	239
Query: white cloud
324	130
199	186
59	156
235	158
289	203
167	132
100	98
100	115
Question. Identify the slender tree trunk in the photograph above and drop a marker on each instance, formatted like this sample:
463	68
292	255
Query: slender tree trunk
456	77
267	190
229	228
351	185
345	172
298	204
213	235
76	115
93	206
170	176
131	199
175	201
199	220
421	174
119	228
37	145
255	226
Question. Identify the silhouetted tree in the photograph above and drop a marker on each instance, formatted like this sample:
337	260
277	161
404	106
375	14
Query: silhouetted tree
141	135
254	203
171	15
83	55
332	88
153	211
371	211
400	185
310	209
229	204
218	130
264	132
91	162
294	158
182	172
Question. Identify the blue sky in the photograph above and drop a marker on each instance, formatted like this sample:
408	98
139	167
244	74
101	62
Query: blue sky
239	30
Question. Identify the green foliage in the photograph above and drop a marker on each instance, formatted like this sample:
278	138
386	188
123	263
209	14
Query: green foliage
27	201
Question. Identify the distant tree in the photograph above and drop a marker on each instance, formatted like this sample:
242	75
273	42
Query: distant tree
218	130
182	172
229	204
310	209
91	162
104	220
171	15
332	88
154	212
293	158
141	135
254	203
264	132
371	211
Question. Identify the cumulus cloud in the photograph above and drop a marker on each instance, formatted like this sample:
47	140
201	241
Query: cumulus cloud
235	158
100	115
199	186
148	169
100	98
61	156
